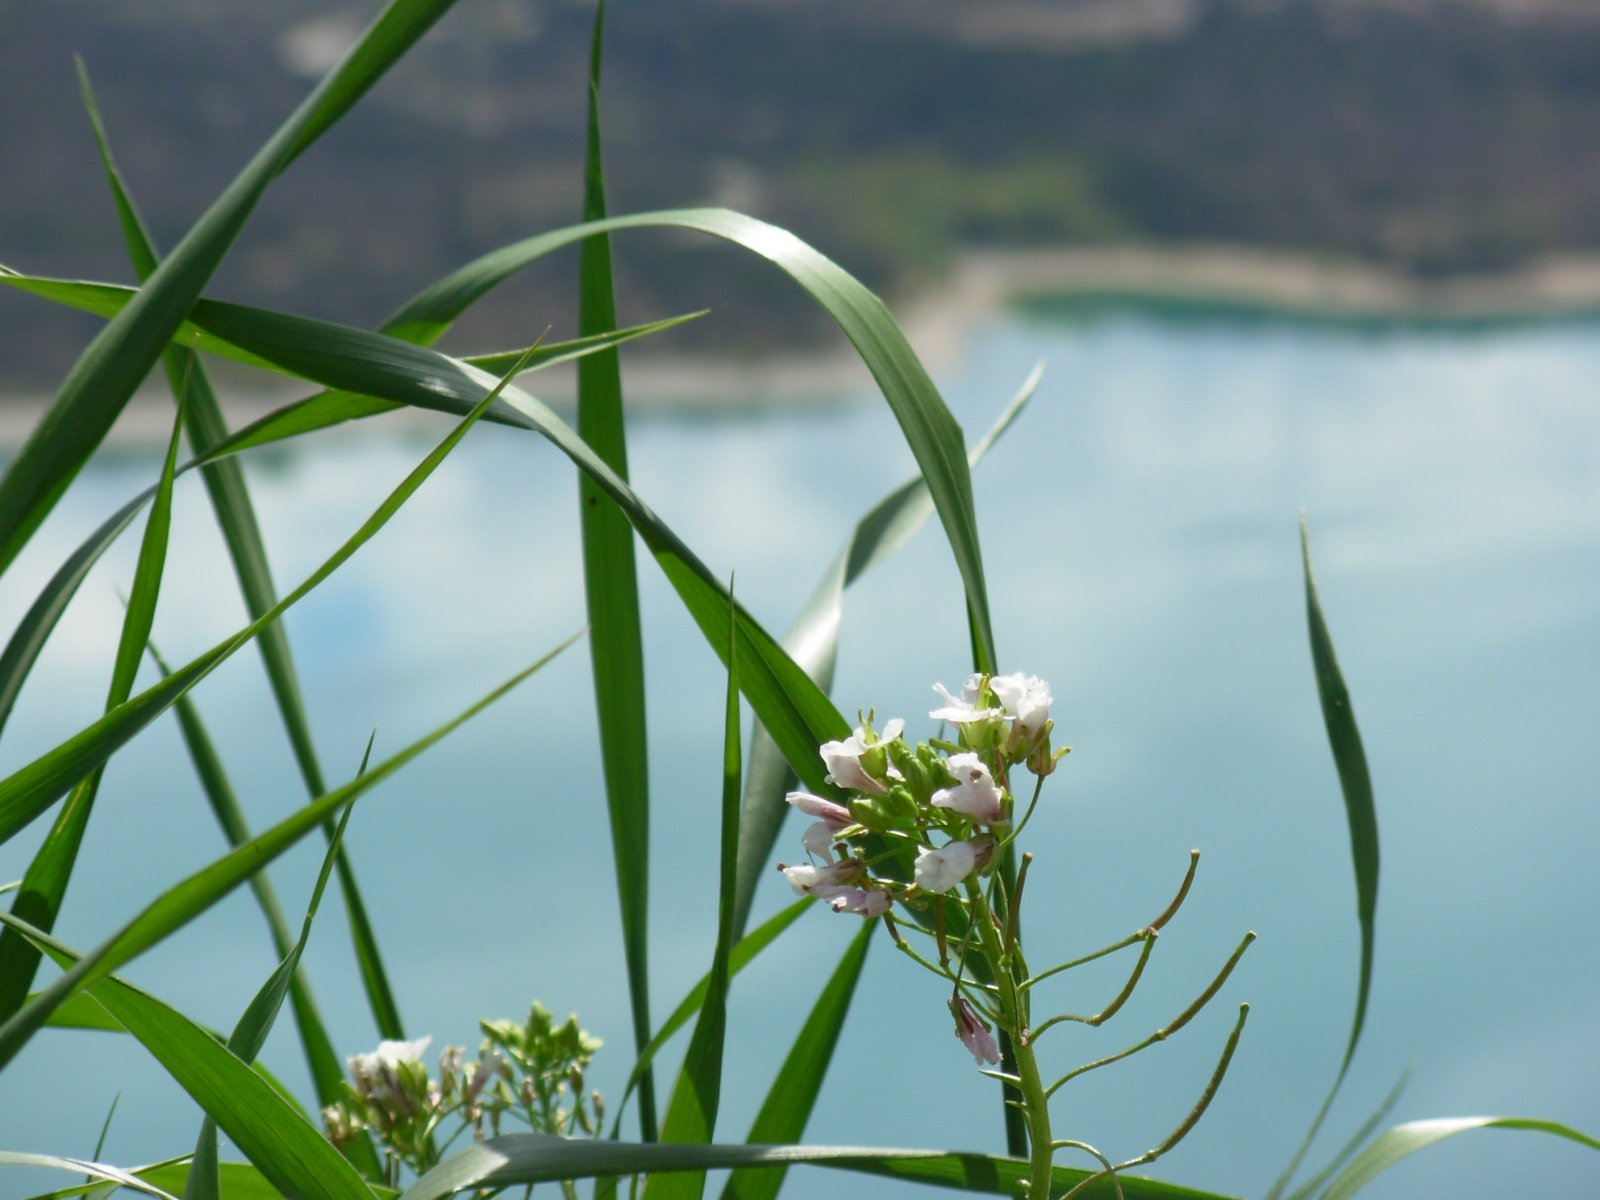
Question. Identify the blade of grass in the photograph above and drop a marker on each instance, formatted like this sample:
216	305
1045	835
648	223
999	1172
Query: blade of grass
692	1111
194	895
789	1103
205	1182
12	1158
1405	1140
611	592
813	641
1357	1140
44	885
106	373
536	1158
752	944
29	791
1355	782
266	1126
230	500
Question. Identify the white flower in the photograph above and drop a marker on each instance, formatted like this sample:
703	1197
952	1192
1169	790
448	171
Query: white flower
818	840
940	870
866	901
963	709
974	1034
975	792
1026	700
389	1054
844	758
822	882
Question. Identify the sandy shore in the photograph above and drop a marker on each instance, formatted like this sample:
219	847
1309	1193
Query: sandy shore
984	282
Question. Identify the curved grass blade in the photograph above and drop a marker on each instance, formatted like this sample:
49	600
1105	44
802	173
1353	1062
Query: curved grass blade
793	1094
692	1112
611	594
1348	1151
44	885
204	1182
931	432
29	791
101	1171
813	642
230	500
183	902
106	373
536	1158
1407	1139
240	1181
258	1118
1356	783
746	949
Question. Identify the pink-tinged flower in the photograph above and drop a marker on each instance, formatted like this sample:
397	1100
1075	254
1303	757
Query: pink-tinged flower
818	840
825	881
845	767
963	709
975	792
836	815
866	901
1026	700
974	1032
940	870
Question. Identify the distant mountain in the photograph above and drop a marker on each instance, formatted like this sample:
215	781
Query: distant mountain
1436	137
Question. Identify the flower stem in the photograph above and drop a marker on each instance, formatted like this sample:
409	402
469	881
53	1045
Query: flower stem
1014	1013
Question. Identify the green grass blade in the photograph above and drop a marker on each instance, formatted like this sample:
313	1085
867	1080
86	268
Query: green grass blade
29	791
101	1171
611	593
813	640
194	895
931	432
242	535
106	373
258	1118
536	1158
205	1182
692	1112
744	951
1405	1140
1356	784
1368	1127
22	651
321	1059
44	885
793	1094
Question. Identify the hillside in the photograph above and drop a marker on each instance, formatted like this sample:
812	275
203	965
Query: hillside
1438	138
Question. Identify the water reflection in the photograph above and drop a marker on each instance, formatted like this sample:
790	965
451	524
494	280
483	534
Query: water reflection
1139	527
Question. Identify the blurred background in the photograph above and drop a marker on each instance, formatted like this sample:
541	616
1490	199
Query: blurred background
1339	256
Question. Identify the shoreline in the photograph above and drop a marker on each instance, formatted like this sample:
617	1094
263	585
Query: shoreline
985	282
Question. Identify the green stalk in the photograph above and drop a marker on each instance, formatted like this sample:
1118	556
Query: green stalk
1014	1014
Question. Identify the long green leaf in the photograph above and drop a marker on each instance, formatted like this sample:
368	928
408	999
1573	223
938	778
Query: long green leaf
29	791
205	1182
110	1174
44	886
611	593
183	902
230	500
794	1090
536	1158
752	944
1404	1140
1356	783
931	432
692	1113
813	641
106	373
267	1126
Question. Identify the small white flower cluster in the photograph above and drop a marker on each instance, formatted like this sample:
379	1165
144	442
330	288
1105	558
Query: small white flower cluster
948	800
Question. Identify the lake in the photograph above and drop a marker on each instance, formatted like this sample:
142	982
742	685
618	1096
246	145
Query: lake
1140	533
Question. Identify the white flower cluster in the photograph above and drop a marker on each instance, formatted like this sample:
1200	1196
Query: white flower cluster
939	804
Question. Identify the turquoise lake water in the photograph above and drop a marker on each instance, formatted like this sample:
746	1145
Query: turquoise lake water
1140	533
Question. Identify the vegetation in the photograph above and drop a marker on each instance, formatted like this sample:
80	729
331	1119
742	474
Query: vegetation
925	833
